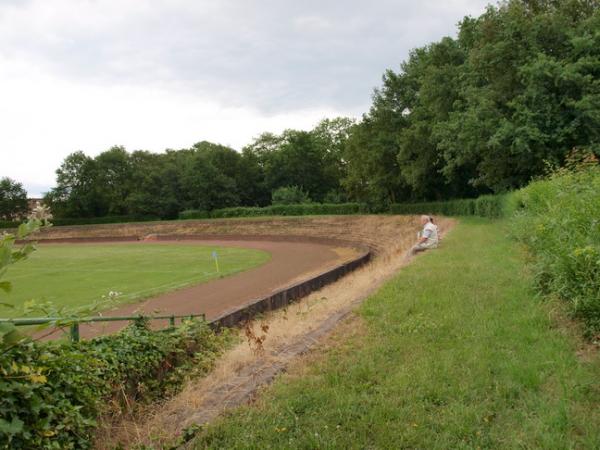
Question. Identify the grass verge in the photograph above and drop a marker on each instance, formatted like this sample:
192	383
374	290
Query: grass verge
456	353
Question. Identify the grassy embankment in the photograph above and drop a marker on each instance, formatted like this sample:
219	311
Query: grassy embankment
76	275
454	352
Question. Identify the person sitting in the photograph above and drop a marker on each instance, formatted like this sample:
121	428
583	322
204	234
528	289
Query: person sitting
428	238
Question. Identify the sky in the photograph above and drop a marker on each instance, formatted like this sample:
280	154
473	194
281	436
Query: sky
156	74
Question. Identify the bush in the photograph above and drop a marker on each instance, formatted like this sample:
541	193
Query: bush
335	196
194	214
304	209
8	224
492	206
51	394
559	221
289	195
291	210
65	221
462	207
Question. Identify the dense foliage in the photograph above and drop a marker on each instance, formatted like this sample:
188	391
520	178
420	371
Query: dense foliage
559	221
52	394
204	177
13	200
66	221
484	112
9	224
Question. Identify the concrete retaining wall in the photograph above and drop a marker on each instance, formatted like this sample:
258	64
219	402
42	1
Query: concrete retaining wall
289	294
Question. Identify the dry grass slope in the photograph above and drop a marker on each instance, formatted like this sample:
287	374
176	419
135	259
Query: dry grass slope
380	233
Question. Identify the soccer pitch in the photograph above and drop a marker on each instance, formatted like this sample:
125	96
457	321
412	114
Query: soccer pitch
76	275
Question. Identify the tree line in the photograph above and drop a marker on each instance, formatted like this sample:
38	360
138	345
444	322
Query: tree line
515	91
206	176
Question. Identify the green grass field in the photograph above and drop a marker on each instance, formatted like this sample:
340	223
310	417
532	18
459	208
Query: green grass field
455	352
79	274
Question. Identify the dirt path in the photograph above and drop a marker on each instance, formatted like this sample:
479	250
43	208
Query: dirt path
290	262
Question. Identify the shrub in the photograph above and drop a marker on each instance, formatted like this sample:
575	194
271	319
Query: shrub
461	207
64	221
289	195
9	224
51	394
335	196
290	210
67	221
492	206
194	214
278	210
559	221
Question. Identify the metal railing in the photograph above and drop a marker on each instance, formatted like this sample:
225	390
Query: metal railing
74	323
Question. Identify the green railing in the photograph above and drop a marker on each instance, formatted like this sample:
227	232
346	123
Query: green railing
74	323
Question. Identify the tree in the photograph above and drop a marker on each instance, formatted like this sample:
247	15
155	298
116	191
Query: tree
251	184
373	174
113	181
205	187
13	200
155	186
74	194
299	161
530	67
331	136
485	112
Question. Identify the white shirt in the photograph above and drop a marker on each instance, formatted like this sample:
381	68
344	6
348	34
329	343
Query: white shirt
430	231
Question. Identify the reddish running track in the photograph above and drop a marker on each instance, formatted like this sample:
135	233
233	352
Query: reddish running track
290	262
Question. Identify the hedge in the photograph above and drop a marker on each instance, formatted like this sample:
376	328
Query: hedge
194	214
52	394
302	209
492	206
63	221
9	224
485	206
66	221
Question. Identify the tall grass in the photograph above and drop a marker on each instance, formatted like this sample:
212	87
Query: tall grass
559	221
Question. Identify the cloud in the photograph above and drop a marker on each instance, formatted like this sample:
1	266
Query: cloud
82	74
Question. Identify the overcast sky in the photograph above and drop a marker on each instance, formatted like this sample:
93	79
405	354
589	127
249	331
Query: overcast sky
156	74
